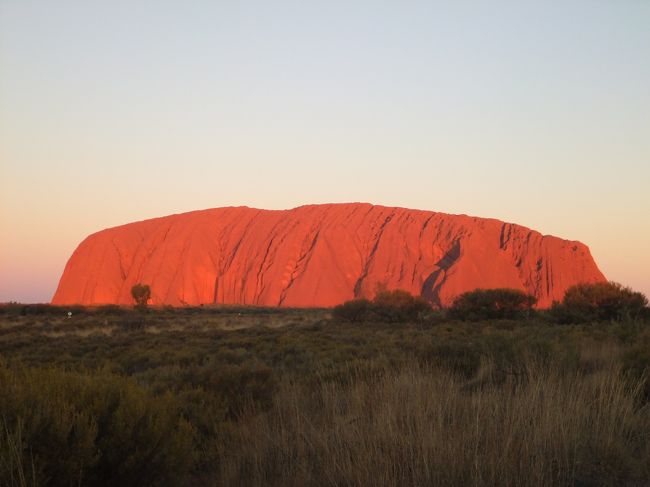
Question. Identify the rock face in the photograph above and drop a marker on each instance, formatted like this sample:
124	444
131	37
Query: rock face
318	255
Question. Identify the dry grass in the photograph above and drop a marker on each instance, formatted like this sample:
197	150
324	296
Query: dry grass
55	323
297	398
419	426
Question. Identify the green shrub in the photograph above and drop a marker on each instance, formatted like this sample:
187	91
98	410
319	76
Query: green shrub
356	310
70	428
399	305
482	304
601	301
387	307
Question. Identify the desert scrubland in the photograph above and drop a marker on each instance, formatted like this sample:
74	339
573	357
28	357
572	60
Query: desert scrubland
265	396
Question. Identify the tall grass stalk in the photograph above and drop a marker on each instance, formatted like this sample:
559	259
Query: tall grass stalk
420	426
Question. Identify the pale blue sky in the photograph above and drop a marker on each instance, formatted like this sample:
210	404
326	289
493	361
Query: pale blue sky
531	112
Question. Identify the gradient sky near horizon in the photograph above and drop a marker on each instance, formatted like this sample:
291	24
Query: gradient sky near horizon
530	112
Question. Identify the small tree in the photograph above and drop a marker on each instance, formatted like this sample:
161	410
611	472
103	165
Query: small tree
141	294
483	304
599	301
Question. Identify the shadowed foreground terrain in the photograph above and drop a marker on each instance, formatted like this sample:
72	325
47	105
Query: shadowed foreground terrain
256	396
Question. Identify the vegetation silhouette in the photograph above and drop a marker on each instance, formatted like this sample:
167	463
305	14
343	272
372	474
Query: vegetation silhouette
141	294
388	306
482	304
599	301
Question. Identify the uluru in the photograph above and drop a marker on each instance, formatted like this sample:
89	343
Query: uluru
318	255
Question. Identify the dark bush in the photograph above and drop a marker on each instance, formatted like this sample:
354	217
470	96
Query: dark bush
355	311
645	314
387	307
399	305
482	304
601	301
141	294
65	428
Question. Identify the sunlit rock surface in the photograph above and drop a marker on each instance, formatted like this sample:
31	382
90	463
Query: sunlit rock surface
318	255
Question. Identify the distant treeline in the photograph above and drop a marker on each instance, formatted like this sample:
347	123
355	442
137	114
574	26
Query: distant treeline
604	301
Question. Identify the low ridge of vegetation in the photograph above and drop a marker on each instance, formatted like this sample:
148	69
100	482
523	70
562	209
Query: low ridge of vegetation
387	307
380	392
483	304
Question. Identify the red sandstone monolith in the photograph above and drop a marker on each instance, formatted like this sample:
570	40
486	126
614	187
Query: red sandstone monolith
318	255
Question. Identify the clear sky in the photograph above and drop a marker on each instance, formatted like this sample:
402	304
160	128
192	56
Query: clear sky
531	112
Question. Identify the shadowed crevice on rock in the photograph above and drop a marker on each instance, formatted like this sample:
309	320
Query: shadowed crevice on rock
433	283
